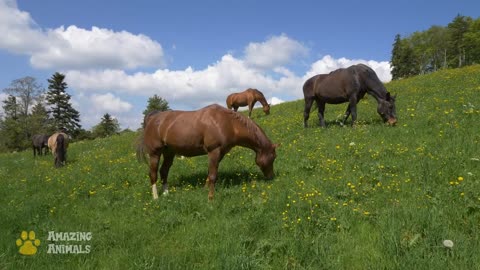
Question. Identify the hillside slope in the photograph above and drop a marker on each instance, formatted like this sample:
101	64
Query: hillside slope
372	196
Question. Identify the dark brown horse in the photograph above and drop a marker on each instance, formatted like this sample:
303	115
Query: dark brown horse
211	131
247	98
350	85
58	143
39	143
309	95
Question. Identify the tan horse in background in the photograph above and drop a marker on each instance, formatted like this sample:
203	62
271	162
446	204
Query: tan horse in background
247	98
58	144
211	131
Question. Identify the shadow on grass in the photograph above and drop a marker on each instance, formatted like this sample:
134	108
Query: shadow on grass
339	123
224	179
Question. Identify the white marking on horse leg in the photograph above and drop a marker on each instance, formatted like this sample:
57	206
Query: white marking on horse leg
165	190
154	191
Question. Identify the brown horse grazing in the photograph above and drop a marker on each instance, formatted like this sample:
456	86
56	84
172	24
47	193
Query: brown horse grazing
350	85
213	131
58	143
247	98
39	142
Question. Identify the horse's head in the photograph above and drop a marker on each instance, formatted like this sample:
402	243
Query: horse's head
265	158
266	109
386	109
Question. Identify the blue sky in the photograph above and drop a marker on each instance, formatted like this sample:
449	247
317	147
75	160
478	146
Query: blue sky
118	53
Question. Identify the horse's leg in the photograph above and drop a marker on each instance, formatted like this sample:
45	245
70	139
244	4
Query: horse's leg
353	110
321	113
306	111
34	149
347	114
250	108
154	160
214	158
166	164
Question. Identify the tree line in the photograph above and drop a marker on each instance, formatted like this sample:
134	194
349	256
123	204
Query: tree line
29	109
453	46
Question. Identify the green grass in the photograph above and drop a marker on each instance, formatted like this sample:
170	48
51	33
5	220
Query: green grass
369	197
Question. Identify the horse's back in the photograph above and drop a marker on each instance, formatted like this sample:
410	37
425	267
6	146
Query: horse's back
189	133
52	140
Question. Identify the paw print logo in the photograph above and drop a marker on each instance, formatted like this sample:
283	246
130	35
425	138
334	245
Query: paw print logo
27	243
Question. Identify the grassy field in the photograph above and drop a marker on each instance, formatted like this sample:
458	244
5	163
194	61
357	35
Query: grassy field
369	197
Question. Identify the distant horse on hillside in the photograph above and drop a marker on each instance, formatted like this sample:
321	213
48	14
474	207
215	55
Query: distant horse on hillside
40	142
211	131
350	85
247	98
58	143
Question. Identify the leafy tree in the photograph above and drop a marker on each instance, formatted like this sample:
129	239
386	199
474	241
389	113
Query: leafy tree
63	114
26	89
156	103
457	28
472	42
107	126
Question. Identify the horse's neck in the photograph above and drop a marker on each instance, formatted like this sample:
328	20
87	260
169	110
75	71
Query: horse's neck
378	93
262	100
252	137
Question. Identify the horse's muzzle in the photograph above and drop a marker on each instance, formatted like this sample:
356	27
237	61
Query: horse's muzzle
392	121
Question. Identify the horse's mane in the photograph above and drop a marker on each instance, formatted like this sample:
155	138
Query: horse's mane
251	126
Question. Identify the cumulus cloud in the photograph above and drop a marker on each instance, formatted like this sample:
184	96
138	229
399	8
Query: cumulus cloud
276	51
110	103
275	101
328	64
196	88
188	87
73	47
93	107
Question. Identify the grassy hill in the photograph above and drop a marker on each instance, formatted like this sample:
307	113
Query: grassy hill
372	196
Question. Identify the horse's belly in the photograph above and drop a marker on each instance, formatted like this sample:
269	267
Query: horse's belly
333	100
187	150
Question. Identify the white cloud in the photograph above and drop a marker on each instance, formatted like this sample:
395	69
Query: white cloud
275	101
276	51
193	89
328	64
73	47
93	107
110	103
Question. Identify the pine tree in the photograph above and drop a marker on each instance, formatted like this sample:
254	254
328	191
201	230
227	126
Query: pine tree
107	126
65	117
10	131
40	120
396	61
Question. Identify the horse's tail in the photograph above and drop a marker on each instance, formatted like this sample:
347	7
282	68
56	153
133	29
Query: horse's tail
141	156
60	151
